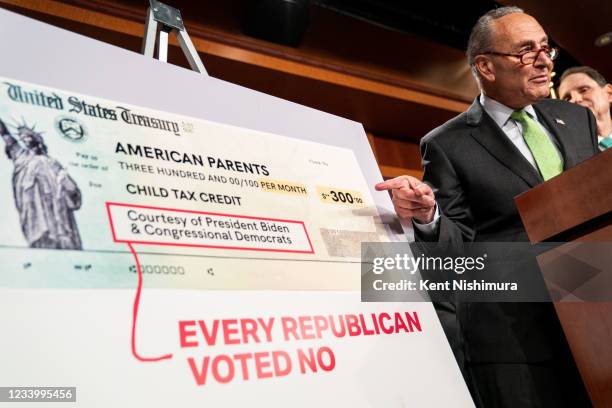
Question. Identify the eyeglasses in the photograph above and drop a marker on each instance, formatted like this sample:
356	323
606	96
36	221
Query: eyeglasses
530	57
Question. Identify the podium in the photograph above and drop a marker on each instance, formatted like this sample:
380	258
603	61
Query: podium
576	207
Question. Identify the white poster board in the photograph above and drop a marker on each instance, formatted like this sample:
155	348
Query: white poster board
223	197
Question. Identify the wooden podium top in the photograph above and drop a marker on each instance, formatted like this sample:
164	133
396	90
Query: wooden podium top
571	204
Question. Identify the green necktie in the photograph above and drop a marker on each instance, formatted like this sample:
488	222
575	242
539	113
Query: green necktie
542	149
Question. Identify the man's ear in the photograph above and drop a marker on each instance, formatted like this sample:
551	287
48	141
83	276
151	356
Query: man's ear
485	68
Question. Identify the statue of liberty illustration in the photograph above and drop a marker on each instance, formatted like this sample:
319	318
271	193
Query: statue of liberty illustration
45	195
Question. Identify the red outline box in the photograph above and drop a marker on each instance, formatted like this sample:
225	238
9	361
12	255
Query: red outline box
110	218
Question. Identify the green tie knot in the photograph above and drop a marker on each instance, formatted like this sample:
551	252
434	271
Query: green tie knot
544	152
520	116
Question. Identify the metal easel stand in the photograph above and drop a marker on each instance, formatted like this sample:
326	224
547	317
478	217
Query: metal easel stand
162	20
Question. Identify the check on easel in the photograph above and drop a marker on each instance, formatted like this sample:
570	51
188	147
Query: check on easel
176	186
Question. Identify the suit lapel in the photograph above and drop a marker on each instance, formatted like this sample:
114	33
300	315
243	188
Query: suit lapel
494	140
561	133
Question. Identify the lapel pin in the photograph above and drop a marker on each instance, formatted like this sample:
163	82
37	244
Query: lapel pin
559	121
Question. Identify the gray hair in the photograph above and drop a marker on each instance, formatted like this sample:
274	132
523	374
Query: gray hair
480	38
595	76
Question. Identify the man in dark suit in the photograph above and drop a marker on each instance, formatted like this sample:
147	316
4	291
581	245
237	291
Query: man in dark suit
510	140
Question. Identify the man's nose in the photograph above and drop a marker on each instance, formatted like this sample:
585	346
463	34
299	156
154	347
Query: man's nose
543	60
575	97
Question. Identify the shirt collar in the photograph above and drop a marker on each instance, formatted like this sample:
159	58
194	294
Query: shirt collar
600	138
500	113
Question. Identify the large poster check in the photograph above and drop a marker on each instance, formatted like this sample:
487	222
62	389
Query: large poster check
228	204
153	259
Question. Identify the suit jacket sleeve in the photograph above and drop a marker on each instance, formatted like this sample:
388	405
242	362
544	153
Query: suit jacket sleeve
456	223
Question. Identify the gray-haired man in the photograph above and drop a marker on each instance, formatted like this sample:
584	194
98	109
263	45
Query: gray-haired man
510	139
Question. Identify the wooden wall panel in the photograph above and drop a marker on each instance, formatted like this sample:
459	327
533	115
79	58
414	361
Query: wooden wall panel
398	95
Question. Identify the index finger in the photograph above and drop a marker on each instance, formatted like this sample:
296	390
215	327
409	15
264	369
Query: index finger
394	183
